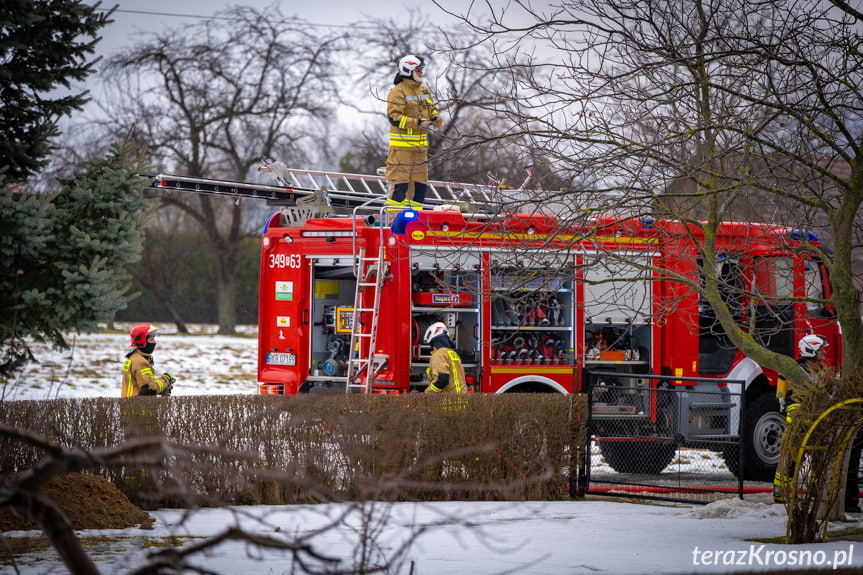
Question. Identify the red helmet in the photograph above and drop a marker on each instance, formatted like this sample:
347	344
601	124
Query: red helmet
140	333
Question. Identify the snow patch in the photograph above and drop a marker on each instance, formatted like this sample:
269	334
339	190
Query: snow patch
737	508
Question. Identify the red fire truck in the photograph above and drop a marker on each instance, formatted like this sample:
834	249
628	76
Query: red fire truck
532	301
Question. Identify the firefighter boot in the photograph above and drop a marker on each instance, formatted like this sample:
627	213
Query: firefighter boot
419	196
398	198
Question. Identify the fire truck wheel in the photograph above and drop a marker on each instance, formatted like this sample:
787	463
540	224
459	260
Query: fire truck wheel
637	456
648	457
763	437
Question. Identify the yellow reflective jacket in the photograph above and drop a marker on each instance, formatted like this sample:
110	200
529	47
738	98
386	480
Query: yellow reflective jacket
409	103
785	391
138	371
446	360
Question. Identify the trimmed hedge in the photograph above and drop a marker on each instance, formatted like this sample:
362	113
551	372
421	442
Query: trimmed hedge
309	448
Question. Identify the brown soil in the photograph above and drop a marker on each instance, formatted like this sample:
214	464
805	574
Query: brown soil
89	501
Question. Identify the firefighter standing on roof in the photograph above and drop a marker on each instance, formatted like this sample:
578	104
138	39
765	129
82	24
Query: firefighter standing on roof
445	372
411	112
138	378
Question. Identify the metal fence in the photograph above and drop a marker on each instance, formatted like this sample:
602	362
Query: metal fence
650	439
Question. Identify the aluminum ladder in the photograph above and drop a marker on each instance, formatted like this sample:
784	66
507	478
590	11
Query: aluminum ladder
341	187
364	363
342	193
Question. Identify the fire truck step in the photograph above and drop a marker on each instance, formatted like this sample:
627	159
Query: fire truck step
710	408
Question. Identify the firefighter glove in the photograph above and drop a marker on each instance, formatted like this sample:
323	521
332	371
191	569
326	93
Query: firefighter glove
145	390
169	378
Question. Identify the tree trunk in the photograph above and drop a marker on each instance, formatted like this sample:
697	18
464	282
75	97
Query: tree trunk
225	249
226	301
38	508
151	284
846	299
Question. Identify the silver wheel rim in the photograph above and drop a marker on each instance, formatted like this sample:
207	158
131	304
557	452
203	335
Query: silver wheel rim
767	438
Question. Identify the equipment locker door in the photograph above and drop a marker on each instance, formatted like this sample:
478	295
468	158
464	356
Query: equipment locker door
282	314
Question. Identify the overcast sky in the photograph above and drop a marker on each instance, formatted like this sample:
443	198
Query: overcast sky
134	19
136	16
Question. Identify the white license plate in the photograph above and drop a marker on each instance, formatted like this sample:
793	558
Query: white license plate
281	359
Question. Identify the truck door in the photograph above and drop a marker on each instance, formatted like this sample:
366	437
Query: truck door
716	353
773	290
617	311
282	307
820	315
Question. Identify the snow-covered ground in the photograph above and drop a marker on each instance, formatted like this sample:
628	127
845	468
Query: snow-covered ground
453	537
202	362
480	538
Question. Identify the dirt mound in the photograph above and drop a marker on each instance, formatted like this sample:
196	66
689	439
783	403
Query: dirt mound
89	501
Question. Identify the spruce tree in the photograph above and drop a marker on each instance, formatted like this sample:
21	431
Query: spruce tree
24	237
44	46
63	257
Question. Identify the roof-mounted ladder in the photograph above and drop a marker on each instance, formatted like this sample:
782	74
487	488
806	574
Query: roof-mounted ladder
340	193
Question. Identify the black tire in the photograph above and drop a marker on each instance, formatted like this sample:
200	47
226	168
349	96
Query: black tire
655	451
637	456
762	439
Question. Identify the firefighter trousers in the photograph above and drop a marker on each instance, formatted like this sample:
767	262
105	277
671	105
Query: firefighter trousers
407	171
402	197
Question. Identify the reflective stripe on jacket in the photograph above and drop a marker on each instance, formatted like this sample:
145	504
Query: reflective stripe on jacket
408	104
446	360
138	371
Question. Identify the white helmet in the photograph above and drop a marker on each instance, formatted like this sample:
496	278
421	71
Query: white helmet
810	344
434	330
409	63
